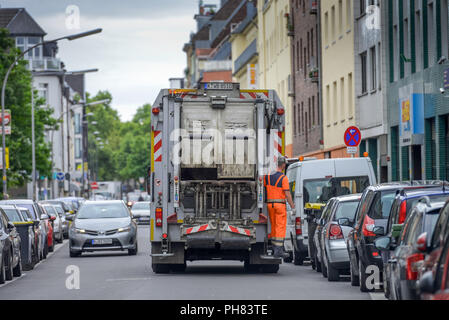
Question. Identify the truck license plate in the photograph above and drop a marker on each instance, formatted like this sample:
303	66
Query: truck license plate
101	241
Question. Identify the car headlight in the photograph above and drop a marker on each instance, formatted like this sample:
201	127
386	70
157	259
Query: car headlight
126	229
79	230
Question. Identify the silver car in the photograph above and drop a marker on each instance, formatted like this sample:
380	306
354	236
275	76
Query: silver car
141	211
102	226
335	258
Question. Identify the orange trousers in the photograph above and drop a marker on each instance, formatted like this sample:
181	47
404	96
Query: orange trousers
278	219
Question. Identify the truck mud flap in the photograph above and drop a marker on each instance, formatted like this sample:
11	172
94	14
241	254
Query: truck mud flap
174	256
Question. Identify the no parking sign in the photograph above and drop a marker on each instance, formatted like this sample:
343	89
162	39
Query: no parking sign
352	138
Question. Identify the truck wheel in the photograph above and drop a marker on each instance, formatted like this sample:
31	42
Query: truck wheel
250	268
298	259
179	268
270	268
160	268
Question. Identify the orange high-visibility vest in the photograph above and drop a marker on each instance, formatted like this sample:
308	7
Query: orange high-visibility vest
276	185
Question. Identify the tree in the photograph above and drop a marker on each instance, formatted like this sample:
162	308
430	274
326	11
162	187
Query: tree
18	100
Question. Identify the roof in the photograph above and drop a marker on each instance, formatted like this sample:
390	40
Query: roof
349	197
8	206
423	192
19	22
410	185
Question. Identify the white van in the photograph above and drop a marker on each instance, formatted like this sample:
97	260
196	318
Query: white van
317	181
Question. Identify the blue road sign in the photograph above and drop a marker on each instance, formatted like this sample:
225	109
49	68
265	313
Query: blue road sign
353	137
60	176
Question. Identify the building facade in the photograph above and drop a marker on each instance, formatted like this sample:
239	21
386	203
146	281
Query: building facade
337	42
418	88
370	89
274	67
304	30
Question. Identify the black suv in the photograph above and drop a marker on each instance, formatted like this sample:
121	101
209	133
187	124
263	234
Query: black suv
371	222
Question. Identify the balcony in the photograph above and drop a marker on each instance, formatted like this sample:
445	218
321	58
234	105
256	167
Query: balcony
246	56
44	64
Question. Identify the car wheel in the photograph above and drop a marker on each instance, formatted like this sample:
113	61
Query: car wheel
133	252
2	272
52	247
45	250
317	263
332	273
17	271
362	277
8	268
386	286
354	275
298	259
290	258
74	253
323	266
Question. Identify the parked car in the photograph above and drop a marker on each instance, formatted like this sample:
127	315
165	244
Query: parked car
25	228
74	202
401	269
317	181
36	212
317	255
11	263
436	286
102	225
141	211
67	211
29	217
371	221
50	235
432	244
402	205
335	228
64	222
56	222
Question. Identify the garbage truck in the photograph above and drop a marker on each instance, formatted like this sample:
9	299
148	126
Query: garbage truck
210	148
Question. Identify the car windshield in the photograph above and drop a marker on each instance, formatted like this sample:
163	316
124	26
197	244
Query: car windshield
102	211
13	215
30	208
59	209
50	210
321	190
346	210
141	206
26	214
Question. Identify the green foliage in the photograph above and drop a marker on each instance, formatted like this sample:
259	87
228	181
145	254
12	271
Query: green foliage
18	100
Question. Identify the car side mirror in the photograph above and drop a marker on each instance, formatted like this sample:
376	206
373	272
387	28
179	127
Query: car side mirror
44	217
383	243
11	226
421	242
379	231
426	283
344	222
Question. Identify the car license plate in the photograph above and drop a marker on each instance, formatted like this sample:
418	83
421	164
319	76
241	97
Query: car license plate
101	241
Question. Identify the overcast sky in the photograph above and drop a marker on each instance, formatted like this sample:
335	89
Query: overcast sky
139	49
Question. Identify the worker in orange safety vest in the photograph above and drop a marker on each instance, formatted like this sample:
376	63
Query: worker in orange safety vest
278	193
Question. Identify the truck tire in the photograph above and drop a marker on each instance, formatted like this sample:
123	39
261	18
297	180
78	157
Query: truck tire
160	268
298	259
270	268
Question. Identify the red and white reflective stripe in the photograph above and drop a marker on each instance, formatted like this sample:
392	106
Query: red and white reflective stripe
253	95
238	230
157	146
277	145
197	229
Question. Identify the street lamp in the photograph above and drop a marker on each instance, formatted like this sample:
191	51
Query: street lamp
5	80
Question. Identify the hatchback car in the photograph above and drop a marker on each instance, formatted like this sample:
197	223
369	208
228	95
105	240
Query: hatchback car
335	258
370	223
102	226
141	211
11	262
401	269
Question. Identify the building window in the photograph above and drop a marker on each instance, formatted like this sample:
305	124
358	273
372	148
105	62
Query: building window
333	23
77	123
348	14
418	42
326	28
78	148
334	101
363	72
350	97
340	17
23	43
313	111
42	91
373	68
342	98
328	102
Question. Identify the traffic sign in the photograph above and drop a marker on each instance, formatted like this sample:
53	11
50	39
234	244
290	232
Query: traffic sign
94	185
60	176
351	150
7	122
353	137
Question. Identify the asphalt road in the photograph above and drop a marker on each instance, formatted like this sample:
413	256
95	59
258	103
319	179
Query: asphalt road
119	276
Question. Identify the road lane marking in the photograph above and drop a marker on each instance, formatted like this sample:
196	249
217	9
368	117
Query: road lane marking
128	279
